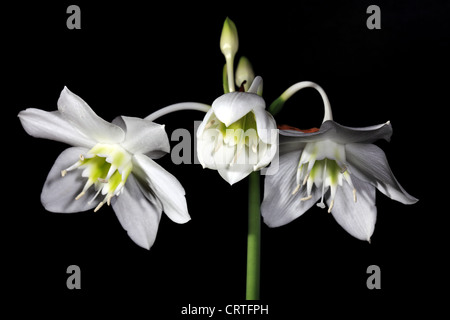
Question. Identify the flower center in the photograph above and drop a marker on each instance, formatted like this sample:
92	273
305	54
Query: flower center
240	134
106	167
323	164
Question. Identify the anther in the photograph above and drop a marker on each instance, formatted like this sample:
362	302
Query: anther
354	195
306	179
103	180
80	195
81	157
108	199
343	169
331	206
99	206
306	198
209	124
63	173
296	189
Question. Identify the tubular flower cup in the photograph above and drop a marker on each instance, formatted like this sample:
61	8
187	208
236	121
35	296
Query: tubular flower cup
108	163
237	135
335	165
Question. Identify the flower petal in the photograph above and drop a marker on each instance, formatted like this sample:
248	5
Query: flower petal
52	126
232	106
240	168
165	186
341	134
205	121
143	136
357	218
368	162
266	152
58	194
279	205
77	112
137	215
265	123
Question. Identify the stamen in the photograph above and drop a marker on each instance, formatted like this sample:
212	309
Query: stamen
81	157
72	167
296	189
321	204
108	199
98	192
88	184
80	195
209	124
99	206
219	143
331	206
306	198
306	179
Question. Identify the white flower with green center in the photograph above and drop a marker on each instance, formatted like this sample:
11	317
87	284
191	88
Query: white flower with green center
108	163
335	165
237	135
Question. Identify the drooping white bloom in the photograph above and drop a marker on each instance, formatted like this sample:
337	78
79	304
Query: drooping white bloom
337	165
108	163
237	135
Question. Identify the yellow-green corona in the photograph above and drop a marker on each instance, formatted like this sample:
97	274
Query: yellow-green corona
106	167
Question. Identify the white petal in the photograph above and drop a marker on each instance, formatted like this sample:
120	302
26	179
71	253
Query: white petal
368	162
266	153
143	136
205	121
266	126
137	215
357	218
232	106
233	174
51	125
165	186
257	86
58	194
77	112
240	167
279	205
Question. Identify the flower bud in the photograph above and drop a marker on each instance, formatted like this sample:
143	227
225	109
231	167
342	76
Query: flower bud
244	72
229	42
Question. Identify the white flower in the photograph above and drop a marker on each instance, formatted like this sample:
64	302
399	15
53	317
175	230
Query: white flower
108	163
335	164
237	135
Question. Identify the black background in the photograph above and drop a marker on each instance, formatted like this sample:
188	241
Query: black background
131	59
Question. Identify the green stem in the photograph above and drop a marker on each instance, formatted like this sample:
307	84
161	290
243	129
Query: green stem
254	238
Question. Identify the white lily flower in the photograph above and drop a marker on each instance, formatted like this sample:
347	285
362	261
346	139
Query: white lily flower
237	135
335	164
111	159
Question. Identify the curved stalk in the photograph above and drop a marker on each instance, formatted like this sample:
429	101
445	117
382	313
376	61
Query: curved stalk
178	107
277	105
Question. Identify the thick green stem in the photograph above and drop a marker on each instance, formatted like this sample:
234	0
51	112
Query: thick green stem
254	237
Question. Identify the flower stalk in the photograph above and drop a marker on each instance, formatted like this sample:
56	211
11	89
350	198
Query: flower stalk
253	238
